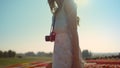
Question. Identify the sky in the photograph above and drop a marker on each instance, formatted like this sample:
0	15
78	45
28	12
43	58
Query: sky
25	23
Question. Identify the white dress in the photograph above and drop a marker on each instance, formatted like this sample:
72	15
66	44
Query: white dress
62	56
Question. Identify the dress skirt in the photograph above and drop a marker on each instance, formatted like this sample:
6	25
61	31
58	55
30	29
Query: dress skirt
62	57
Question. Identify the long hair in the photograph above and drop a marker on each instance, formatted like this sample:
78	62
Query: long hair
55	5
52	5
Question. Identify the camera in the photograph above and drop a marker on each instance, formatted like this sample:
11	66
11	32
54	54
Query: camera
50	37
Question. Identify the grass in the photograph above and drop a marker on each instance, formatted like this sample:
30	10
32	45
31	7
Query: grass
10	61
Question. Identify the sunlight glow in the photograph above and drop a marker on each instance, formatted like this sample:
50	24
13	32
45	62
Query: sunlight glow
81	2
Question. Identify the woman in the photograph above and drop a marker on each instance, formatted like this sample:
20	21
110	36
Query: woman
66	50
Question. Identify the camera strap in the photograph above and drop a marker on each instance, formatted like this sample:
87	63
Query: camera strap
54	16
53	23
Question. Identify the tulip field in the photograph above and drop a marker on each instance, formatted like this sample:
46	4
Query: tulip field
100	63
31	65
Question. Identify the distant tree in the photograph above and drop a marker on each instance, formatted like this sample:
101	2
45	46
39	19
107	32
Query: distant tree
10	53
30	54
44	54
13	54
1	54
119	55
86	54
49	54
5	54
106	57
41	54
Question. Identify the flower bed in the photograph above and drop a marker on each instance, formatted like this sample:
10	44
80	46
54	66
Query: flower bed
89	64
102	63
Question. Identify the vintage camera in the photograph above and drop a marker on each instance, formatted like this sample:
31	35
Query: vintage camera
51	37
